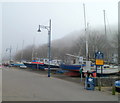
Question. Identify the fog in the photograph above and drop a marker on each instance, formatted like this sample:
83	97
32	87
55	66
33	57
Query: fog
0	32
20	20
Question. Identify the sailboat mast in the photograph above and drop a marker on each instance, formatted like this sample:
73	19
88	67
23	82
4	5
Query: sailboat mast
16	51
84	16
33	48
105	22
106	49
10	52
85	33
22	50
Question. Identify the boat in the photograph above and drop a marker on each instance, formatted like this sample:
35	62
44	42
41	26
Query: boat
35	64
54	64
71	67
107	70
43	64
17	64
74	69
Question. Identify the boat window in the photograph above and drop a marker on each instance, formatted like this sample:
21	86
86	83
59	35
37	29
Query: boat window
106	66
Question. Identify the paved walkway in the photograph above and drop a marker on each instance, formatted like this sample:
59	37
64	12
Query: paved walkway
20	85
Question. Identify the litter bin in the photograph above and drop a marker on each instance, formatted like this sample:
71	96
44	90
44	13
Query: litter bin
117	86
90	83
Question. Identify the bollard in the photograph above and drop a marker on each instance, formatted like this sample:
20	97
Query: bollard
99	87
113	90
99	84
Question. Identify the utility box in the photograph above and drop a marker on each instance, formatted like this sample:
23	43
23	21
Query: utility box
90	83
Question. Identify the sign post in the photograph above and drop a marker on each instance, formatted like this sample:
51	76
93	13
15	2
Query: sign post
99	60
81	69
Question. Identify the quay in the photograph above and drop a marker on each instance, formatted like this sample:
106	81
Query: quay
23	85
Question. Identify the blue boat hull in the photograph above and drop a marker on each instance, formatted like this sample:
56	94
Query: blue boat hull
51	66
34	66
17	65
39	66
71	67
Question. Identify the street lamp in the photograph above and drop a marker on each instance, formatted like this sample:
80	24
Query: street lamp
49	42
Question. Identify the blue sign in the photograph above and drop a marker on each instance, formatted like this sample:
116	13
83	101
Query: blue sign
99	55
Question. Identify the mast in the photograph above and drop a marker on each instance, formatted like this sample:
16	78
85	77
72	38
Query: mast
84	16
22	50
16	51
33	48
16	48
106	49
105	22
10	52
85	33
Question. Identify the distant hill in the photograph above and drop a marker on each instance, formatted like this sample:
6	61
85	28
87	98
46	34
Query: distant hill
67	41
70	39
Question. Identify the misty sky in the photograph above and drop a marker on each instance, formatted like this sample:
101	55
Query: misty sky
20	20
0	32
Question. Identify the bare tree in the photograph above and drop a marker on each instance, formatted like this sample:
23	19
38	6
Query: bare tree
97	41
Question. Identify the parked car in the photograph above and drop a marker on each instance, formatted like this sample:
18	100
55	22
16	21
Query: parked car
23	66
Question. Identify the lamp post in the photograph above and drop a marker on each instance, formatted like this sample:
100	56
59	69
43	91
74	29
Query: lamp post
49	42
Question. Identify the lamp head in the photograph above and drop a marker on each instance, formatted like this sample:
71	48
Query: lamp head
39	29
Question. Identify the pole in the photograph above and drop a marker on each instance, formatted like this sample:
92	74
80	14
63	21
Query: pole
33	48
10	53
96	70
49	42
16	51
107	53
86	37
84	16
104	22
49	46
22	51
81	71
85	33
101	70
104	13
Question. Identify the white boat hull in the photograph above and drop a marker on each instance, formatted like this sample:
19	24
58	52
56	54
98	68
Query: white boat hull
108	71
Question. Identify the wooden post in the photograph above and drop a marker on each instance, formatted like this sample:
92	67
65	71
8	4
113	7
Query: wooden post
99	84
113	90
113	86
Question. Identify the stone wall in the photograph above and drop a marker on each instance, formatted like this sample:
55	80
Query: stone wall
106	81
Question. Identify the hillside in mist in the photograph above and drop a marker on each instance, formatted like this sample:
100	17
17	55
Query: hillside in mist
72	38
74	43
66	41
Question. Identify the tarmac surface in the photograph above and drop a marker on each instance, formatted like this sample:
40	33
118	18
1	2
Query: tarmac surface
29	85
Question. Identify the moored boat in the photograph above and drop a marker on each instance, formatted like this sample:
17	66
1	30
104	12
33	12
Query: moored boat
107	70
34	65
43	64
